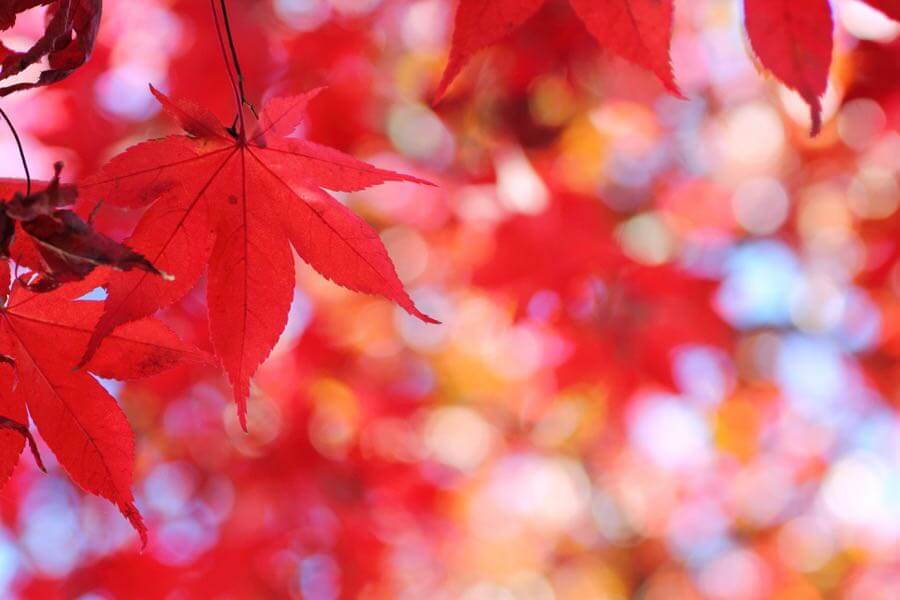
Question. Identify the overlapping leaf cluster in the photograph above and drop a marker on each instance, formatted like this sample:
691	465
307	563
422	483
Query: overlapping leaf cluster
792	39
232	198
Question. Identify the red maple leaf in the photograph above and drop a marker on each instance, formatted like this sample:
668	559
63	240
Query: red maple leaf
239	201
43	336
67	42
622	319
639	31
794	40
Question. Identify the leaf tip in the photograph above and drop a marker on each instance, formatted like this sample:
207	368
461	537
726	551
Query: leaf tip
414	311
441	91
421	181
815	112
32	445
436	98
92	347
6	423
156	93
675	90
85	359
133	516
240	398
451	72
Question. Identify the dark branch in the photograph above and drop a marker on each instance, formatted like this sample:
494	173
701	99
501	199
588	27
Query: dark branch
238	85
238	101
21	151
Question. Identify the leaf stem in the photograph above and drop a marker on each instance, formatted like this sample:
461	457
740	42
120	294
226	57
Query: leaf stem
238	100
237	76
234	56
21	151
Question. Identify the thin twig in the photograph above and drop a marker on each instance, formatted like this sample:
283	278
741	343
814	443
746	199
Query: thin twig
237	67
21	152
234	56
238	100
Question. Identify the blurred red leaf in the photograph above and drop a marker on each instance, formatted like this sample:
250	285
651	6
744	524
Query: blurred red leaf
639	31
622	318
889	7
